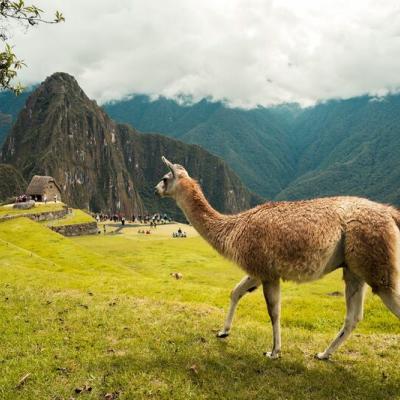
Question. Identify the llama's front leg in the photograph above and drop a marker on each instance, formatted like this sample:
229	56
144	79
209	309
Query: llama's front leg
246	285
355	289
272	294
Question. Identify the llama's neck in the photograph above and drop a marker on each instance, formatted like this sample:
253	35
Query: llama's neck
210	224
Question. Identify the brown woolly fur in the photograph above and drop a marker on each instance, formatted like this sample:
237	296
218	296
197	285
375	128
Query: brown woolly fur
302	241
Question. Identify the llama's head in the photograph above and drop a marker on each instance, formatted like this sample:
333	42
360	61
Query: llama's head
169	183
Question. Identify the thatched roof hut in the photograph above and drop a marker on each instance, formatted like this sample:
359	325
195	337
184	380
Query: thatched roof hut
43	185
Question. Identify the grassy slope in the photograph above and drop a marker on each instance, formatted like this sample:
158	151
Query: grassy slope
104	311
76	217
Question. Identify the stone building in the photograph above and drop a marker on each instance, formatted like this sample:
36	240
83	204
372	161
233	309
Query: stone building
43	185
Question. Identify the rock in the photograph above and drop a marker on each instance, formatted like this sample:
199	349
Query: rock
27	205
176	275
111	396
88	228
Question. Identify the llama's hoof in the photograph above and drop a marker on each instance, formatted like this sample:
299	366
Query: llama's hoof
322	356
222	334
272	355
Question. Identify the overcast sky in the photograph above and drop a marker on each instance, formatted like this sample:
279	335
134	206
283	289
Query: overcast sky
248	52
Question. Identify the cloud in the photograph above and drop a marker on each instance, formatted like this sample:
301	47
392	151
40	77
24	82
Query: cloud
247	52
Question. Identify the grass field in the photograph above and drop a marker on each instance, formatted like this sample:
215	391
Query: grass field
102	315
75	217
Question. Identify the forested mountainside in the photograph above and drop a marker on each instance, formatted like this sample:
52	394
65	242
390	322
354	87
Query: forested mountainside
255	143
10	106
11	182
106	166
338	147
348	147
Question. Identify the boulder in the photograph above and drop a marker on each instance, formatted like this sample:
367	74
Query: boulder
27	205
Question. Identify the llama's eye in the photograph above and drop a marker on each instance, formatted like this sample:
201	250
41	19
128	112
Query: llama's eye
164	180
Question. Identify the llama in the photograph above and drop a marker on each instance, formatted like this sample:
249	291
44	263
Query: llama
299	241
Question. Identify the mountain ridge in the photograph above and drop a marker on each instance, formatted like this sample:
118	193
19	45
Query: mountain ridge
103	165
287	152
234	134
335	147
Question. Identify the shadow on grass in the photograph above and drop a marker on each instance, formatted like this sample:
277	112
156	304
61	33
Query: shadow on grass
223	374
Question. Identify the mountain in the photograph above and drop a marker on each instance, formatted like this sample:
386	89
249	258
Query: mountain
286	152
11	182
255	143
348	147
103	165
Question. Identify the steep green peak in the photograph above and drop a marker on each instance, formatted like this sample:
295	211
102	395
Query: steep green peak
61	79
59	86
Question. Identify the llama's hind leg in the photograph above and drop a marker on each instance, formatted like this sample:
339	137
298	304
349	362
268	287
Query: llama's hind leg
272	294
355	289
391	299
246	285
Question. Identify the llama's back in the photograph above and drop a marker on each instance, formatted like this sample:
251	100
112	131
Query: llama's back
292	240
303	240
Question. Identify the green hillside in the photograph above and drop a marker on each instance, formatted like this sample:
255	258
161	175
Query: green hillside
12	182
338	147
102	315
254	143
348	147
10	106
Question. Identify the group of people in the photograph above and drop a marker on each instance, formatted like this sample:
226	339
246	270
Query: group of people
179	234
144	232
153	220
23	198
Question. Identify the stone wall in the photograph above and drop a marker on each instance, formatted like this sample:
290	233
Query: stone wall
88	228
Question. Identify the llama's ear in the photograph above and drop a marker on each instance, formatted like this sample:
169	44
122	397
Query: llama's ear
169	165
